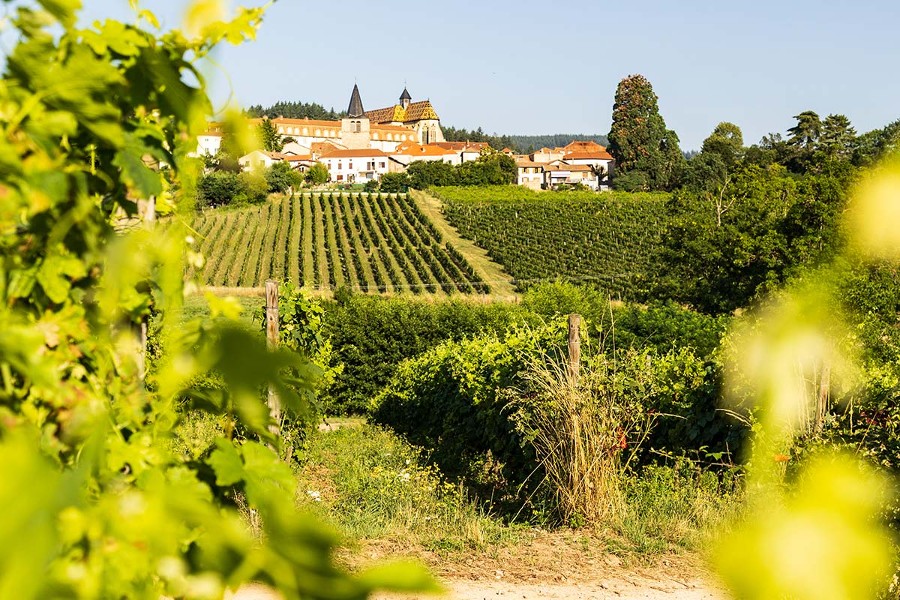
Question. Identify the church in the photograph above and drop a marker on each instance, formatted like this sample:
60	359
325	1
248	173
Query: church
384	129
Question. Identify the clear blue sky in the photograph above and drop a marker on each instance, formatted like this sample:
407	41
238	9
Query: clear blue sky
524	66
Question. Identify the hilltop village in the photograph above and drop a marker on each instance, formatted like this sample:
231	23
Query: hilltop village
365	145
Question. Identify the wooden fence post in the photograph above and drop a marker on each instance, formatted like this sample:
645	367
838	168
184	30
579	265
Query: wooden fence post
574	346
272	342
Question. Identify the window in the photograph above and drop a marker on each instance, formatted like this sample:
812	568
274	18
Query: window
350	166
381	165
340	177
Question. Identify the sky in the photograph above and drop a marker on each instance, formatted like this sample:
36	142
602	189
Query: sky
532	67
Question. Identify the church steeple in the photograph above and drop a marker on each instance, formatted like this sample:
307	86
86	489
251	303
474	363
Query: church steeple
405	98
356	109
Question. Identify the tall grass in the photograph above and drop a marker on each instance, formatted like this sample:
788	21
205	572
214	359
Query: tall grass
585	428
372	485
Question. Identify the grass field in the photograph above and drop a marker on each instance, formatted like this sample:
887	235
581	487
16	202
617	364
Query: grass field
368	243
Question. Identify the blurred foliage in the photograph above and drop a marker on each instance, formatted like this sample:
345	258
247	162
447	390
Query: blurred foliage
810	361
98	502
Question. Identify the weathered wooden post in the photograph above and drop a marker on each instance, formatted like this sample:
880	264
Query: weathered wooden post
574	346
272	343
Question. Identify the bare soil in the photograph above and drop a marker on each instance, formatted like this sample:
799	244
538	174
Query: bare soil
559	565
550	566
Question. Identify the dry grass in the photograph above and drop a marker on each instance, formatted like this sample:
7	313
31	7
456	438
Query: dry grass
489	271
584	431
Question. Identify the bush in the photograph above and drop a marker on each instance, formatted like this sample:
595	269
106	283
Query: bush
450	401
222	188
425	174
373	335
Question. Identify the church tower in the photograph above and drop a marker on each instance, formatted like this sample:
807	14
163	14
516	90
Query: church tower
356	129
405	98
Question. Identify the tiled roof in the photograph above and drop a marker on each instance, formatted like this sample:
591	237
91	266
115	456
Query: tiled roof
584	146
602	155
427	150
361	153
416	111
323	147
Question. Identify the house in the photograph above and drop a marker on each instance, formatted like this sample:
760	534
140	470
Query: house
530	174
409	153
583	162
356	165
259	159
561	174
209	142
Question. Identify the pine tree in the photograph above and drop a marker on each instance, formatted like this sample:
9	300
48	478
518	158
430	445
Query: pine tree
647	154
269	137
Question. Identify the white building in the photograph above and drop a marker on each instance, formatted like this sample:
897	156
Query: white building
259	159
356	166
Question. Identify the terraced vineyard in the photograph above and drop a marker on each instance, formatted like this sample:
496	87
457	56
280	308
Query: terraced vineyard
370	243
604	239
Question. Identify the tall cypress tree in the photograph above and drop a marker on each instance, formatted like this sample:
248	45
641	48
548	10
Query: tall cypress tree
647	154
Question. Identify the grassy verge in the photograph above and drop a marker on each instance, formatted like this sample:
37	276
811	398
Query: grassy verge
370	485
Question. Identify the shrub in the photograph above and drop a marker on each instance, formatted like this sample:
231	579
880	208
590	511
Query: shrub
450	401
372	336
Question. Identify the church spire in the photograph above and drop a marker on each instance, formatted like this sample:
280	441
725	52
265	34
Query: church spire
405	98
356	109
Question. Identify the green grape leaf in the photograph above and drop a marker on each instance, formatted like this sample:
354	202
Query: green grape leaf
137	173
226	463
55	275
63	10
402	576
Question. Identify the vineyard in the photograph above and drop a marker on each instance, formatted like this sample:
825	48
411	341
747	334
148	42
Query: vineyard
370	243
606	240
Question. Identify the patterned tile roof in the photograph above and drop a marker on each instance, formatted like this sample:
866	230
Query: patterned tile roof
417	111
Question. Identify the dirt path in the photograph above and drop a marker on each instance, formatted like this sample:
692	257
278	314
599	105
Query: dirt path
620	589
500	282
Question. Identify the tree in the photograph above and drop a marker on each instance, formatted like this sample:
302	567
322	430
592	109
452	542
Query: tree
727	142
280	177
394	183
639	140
805	134
425	174
317	174
269	137
710	172
837	138
804	141
872	146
